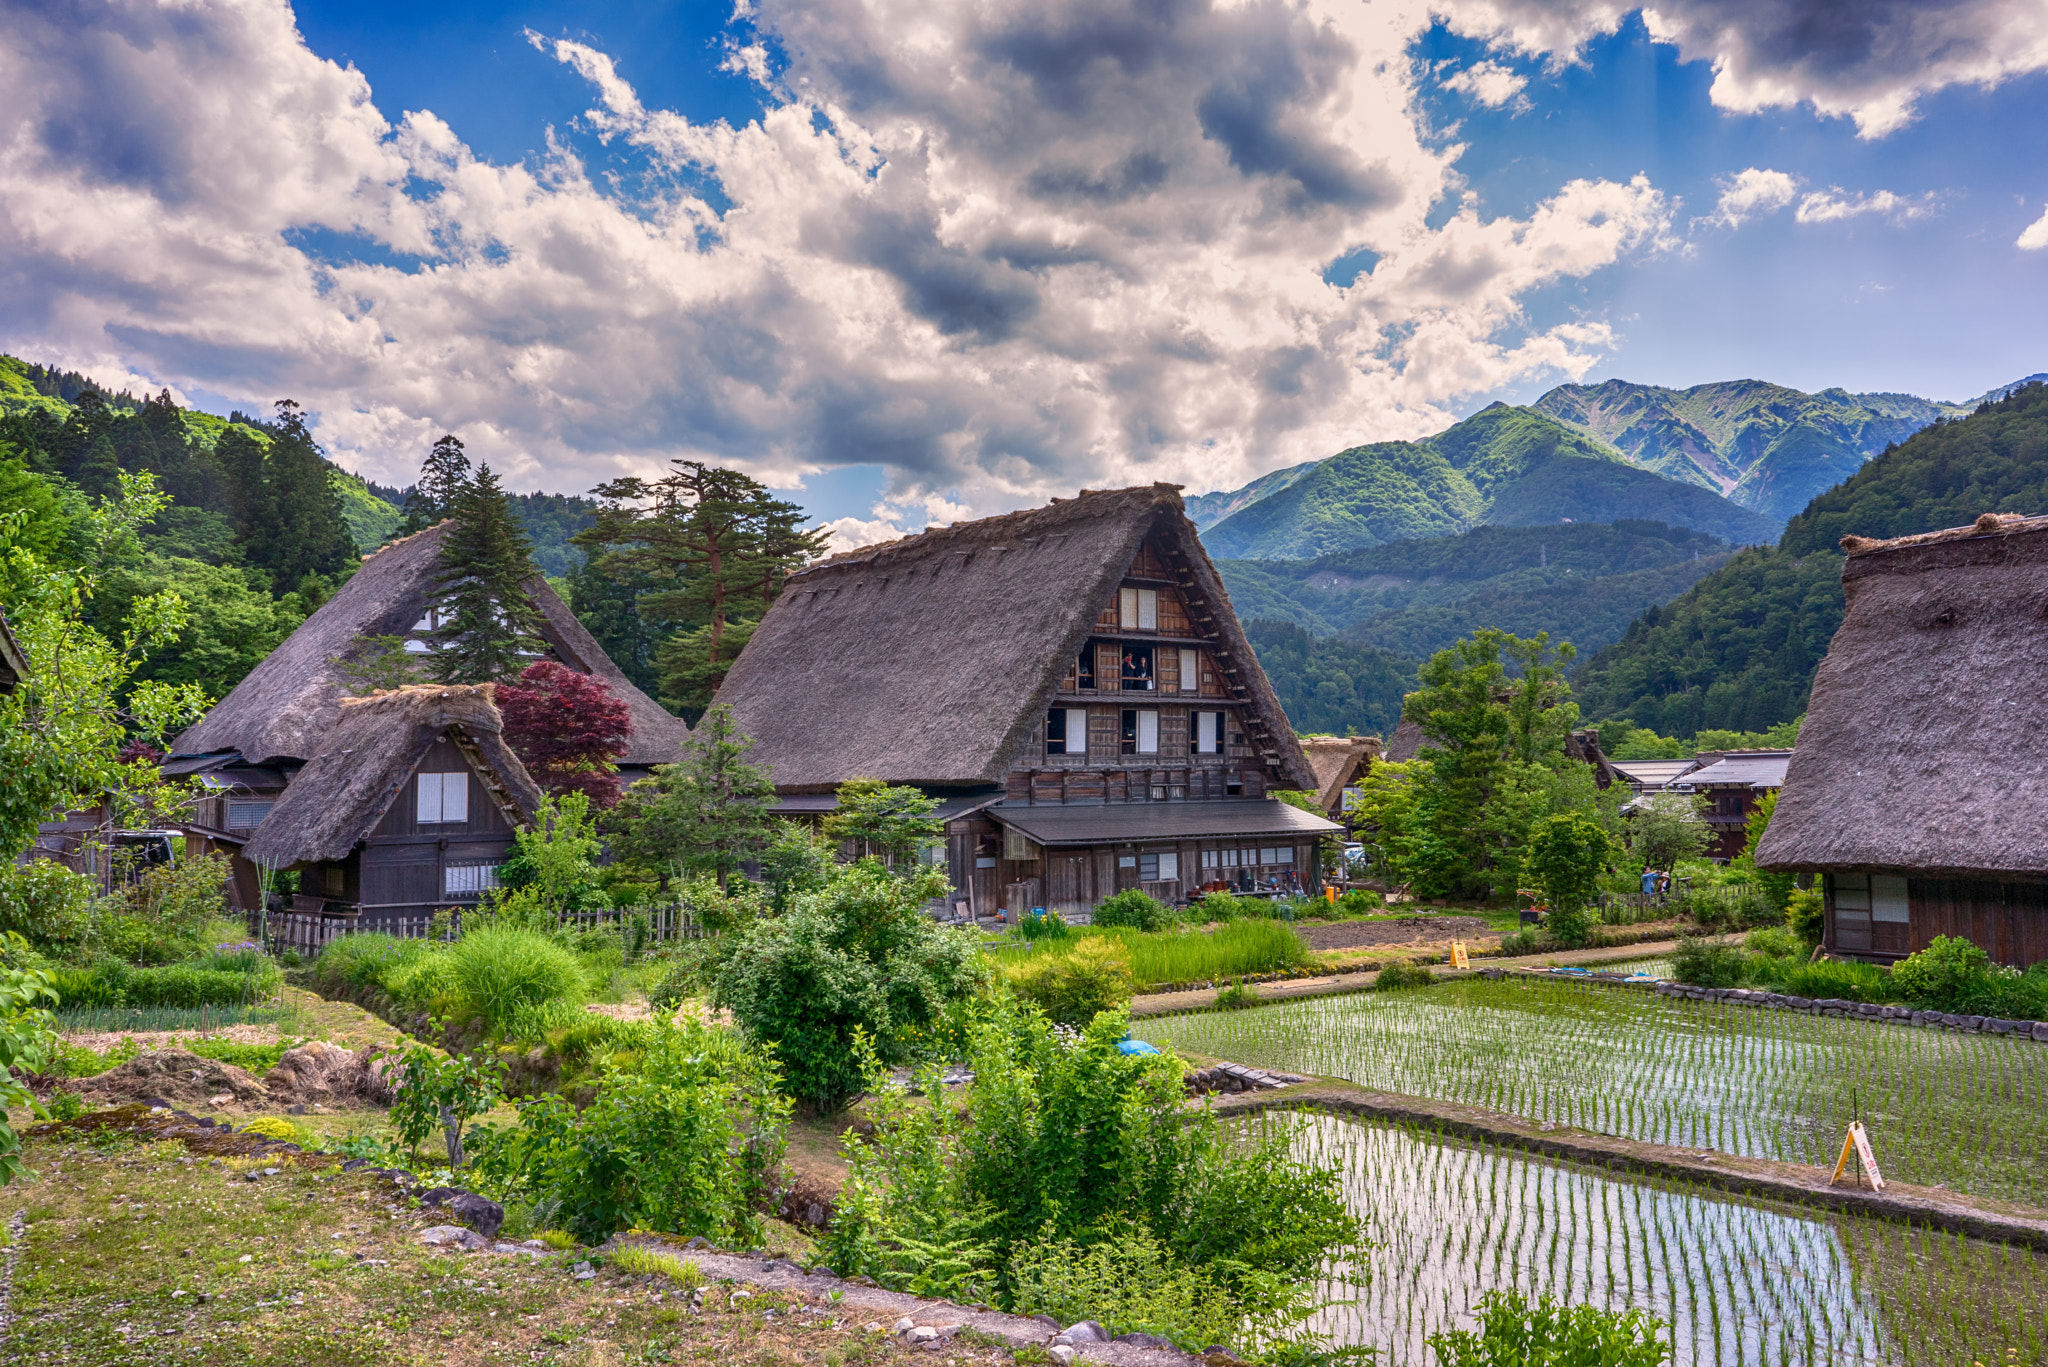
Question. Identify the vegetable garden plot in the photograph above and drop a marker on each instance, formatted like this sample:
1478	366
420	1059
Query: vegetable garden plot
1738	1282
1965	1111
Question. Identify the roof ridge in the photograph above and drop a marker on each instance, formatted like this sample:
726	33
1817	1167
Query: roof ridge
932	538
1989	524
368	556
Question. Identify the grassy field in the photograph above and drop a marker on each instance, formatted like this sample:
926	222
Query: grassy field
1739	1282
1964	1111
133	1254
1163	958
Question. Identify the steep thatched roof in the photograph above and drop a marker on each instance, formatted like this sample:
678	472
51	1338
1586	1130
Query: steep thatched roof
13	663
368	754
1337	762
1409	740
1925	745
283	709
928	660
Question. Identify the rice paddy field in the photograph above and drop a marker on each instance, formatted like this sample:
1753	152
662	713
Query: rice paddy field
1737	1282
1968	1112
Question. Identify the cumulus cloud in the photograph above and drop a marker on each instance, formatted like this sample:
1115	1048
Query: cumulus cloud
1491	84
2036	235
1002	249
1834	204
1870	60
1753	193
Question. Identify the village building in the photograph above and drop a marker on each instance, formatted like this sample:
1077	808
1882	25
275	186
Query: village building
1732	782
1070	682
409	804
1919	788
248	750
1339	763
1410	740
1648	776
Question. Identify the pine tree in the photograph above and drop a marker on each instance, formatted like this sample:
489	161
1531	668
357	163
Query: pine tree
708	812
715	547
488	623
298	529
98	473
443	480
240	454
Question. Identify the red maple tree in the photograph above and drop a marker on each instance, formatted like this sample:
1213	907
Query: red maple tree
566	728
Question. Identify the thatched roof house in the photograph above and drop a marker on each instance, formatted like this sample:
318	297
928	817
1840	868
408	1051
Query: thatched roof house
1410	740
410	803
1338	762
283	710
13	662
1080	654
1920	782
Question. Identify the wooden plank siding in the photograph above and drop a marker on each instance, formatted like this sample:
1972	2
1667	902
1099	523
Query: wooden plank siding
2007	920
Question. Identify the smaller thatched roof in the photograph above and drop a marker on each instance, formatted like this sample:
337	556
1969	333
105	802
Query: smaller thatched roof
13	662
1407	742
369	756
285	705
1338	762
1410	740
1925	746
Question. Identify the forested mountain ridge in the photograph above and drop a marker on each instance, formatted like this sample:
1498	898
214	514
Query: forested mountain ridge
1740	648
1763	445
1206	510
1503	465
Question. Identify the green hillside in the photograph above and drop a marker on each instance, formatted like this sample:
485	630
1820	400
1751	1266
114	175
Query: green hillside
1503	465
1206	510
1740	648
1328	685
1762	445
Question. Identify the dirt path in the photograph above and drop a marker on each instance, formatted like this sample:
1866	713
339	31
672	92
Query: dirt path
1337	984
1409	930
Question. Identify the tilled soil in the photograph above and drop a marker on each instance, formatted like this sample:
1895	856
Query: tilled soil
1409	930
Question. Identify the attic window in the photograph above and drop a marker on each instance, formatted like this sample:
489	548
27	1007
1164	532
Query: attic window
1086	666
443	799
1190	667
1137	669
1138	609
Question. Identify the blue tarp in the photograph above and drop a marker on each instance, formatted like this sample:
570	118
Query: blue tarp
1135	1046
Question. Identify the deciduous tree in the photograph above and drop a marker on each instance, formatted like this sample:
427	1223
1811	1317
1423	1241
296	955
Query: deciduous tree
567	729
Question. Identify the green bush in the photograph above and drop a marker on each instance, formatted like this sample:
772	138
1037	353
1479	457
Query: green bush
1956	976
1400	974
1514	1333
499	973
424	982
1834	978
1776	941
1359	902
1218	906
1133	909
859	956
1073	986
1806	916
1238	996
355	962
1708	963
1128	1282
688	1141
1043	926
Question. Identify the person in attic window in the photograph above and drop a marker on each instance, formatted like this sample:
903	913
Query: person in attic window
1137	668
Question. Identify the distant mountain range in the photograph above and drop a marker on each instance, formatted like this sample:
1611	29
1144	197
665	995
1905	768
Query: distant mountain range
1585	453
1503	466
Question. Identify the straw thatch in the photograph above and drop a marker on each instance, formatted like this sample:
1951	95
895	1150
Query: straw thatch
1338	762
13	662
369	755
285	706
1925	746
928	660
1409	740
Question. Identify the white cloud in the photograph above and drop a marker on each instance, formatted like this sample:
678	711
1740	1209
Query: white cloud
1869	60
2036	235
1752	193
1491	84
1834	204
1003	249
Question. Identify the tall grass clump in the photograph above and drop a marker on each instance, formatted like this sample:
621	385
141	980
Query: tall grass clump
1231	951
356	962
500	975
1075	986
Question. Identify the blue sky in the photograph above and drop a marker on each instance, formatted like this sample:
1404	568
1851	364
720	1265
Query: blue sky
1043	245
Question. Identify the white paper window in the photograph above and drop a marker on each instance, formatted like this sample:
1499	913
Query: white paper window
1190	672
1230	859
1269	855
1208	730
1284	855
1852	892
443	799
1077	730
1169	867
1888	899
1017	845
468	880
1127	608
1138	609
1148	733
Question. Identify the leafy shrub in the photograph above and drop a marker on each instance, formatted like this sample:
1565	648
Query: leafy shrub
1133	909
424	982
434	1091
1806	916
1072	985
1218	906
1776	941
1043	926
687	1142
499	972
1126	1281
1237	997
1359	902
1400	974
284	1131
1707	963
1954	975
857	956
1514	1333
43	900
1072	1138
1565	856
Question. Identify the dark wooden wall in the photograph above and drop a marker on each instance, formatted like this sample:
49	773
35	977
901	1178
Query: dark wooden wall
2008	921
403	864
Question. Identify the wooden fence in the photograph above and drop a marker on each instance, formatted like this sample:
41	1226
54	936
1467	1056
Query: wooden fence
309	933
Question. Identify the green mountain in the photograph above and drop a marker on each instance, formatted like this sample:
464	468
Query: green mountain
1328	685
1506	466
1206	510
1740	648
1762	445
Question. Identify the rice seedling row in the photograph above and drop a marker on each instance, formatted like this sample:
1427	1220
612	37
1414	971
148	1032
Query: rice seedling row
1738	1281
1965	1111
